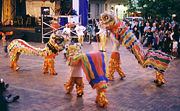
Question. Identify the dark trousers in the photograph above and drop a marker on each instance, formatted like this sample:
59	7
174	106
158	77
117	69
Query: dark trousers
5	49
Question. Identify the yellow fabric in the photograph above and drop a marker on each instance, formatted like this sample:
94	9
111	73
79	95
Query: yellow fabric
81	39
49	64
160	78
101	97
114	65
103	42
13	63
79	85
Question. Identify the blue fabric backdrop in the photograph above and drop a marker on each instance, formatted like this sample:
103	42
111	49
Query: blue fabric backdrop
83	11
63	21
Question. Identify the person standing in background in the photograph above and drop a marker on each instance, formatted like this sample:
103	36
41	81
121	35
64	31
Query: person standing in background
80	32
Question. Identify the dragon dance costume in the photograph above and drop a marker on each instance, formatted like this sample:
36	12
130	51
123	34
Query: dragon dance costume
76	72
94	67
152	59
19	46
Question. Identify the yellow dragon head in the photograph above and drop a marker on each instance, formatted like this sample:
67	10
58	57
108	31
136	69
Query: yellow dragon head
107	19
74	50
56	43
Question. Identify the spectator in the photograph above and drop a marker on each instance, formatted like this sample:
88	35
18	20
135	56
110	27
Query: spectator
166	43
133	24
88	32
174	51
156	39
80	32
5	100
161	37
142	28
149	38
4	41
146	27
169	27
176	34
153	29
136	30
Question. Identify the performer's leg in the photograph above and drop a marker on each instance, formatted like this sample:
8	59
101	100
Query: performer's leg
51	67
11	62
103	39
111	69
159	78
69	85
82	40
45	68
105	42
16	67
101	42
120	72
111	72
79	86
101	97
79	39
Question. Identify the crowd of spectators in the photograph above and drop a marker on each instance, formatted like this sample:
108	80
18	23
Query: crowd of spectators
157	34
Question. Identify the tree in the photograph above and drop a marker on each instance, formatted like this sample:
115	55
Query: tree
159	8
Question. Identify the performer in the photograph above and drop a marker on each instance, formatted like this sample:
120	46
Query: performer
76	72
49	57
66	31
80	32
114	63
103	38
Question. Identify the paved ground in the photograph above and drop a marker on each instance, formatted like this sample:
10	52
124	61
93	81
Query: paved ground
137	92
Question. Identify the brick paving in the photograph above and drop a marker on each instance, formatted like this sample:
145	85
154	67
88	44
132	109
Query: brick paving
136	92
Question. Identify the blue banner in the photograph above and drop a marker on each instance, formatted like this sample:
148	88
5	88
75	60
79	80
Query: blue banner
83	11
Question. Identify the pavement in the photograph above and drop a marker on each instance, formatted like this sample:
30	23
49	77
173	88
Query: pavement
137	92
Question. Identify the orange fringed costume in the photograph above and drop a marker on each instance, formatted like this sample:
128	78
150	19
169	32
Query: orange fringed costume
49	64
114	65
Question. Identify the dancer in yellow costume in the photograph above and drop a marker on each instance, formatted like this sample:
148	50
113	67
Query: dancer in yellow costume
103	40
76	72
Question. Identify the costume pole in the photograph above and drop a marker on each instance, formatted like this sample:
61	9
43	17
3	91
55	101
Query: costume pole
97	41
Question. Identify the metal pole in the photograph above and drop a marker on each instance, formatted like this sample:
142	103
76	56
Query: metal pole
42	27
